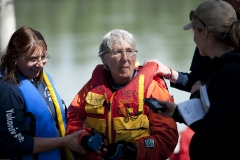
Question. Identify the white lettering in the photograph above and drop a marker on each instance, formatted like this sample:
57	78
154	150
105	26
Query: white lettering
10	126
10	111
9	123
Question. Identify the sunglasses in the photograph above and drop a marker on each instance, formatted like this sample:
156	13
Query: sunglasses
192	15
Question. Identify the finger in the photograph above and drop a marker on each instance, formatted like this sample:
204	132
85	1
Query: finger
160	112
82	151
100	149
79	132
98	152
105	142
164	103
103	149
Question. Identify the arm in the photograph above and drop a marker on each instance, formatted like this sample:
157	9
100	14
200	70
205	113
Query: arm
76	116
162	130
183	80
47	144
21	143
179	80
218	126
198	72
171	111
12	113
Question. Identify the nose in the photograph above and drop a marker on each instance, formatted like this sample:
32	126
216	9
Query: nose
40	63
124	55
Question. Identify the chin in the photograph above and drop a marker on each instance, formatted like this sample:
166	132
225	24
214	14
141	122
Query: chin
35	75
201	53
125	75
125	79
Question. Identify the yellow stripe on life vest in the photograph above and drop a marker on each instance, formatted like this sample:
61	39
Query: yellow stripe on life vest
110	120
141	92
58	113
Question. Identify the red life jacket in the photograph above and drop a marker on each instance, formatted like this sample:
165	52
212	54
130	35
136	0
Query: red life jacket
121	115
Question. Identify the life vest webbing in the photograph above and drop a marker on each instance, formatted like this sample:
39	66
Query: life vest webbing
110	120
58	113
141	93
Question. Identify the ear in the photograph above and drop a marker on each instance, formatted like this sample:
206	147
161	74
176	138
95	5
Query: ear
103	58
205	33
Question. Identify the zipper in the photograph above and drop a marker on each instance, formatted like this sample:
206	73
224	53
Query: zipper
109	120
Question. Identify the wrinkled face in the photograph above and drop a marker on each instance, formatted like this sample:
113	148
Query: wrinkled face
31	65
121	66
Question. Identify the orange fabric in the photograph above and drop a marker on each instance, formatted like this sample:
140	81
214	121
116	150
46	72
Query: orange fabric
162	130
159	125
154	90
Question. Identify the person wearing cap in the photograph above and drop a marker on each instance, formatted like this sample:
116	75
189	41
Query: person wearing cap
184	80
217	35
111	108
188	81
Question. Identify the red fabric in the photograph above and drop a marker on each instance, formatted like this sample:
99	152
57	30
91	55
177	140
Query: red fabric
185	139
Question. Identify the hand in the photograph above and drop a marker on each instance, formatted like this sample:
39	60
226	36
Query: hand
96	142
125	150
114	152
72	144
162	69
196	86
170	108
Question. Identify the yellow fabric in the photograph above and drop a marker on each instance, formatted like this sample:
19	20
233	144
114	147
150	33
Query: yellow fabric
137	64
96	123
130	110
94	109
133	129
58	113
95	99
141	92
110	121
94	103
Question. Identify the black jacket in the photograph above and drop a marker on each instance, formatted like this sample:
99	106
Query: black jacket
198	69
15	123
217	135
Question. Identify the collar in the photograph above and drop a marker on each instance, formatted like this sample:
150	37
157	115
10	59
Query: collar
116	86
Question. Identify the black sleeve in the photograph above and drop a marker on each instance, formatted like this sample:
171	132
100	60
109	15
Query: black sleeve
177	117
14	125
185	81
198	70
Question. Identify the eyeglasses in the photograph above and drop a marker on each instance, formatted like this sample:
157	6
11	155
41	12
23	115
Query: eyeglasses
191	15
43	59
119	53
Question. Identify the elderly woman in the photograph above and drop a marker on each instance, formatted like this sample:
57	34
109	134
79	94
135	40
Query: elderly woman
32	114
110	106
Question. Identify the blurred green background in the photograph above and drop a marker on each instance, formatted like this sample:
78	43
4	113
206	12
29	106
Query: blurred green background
73	30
